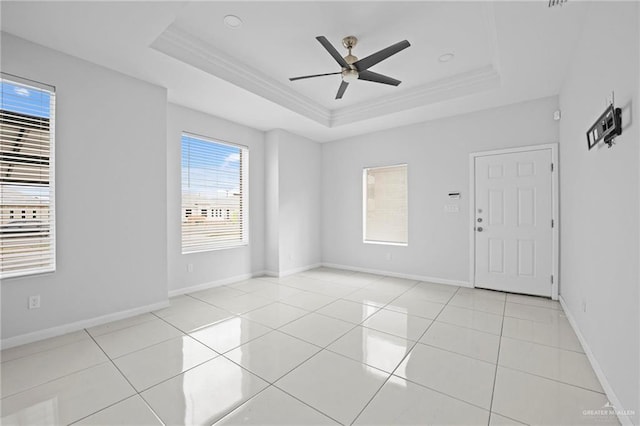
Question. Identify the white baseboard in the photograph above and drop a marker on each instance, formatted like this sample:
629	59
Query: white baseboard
399	275
211	284
298	270
59	330
280	274
608	390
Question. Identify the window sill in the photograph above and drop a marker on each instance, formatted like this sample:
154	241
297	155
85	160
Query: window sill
30	274
386	243
222	247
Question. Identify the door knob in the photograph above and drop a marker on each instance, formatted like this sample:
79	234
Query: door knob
479	228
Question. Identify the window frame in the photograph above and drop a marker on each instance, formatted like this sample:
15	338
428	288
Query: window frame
365	171
52	222
244	203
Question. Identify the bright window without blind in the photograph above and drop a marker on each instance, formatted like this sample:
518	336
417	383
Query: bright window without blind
385	205
27	225
214	194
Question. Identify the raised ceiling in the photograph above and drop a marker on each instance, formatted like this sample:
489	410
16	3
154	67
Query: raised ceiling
505	52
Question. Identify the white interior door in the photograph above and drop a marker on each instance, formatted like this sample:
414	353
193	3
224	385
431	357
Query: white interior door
513	222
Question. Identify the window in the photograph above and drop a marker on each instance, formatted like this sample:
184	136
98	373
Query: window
27	243
214	176
385	205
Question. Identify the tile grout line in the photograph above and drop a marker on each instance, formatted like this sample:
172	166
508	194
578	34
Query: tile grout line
551	379
116	403
495	375
458	353
60	377
457	398
308	405
219	307
53	380
128	381
520	339
123	328
243	403
43	350
403	358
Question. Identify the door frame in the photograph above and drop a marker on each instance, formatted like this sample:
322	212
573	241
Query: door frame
555	203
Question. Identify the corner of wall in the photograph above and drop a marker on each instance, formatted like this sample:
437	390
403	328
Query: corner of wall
271	200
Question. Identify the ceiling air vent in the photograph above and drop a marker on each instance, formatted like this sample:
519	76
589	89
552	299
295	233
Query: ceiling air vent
556	2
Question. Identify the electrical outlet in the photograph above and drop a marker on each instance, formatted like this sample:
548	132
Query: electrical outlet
389	257
34	301
190	267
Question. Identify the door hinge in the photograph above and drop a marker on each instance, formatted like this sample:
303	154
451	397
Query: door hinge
551	279
552	223
551	166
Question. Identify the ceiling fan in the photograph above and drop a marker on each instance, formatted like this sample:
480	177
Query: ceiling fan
357	69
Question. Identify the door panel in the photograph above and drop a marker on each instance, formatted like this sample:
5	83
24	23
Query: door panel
496	255
513	211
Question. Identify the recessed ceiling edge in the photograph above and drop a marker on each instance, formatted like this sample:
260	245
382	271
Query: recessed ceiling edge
183	46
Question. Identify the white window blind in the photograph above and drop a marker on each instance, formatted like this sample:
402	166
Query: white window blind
214	194
27	224
385	205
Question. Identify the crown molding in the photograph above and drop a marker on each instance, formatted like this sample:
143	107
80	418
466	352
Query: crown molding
464	84
183	46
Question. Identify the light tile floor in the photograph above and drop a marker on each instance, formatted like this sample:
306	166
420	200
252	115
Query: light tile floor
321	347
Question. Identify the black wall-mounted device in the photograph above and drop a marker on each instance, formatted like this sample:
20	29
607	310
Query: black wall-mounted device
607	127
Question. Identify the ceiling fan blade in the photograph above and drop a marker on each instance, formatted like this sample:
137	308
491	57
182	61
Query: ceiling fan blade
377	78
315	75
341	89
381	55
332	51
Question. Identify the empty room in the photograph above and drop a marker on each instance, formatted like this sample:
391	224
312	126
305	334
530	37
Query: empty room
320	213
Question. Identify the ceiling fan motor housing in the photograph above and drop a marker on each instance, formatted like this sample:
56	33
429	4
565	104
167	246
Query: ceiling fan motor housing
350	42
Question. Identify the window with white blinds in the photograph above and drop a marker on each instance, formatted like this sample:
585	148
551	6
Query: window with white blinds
385	216
27	225
214	194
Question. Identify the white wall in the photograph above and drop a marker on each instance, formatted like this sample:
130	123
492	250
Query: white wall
294	203
600	198
219	266
110	195
272	204
300	202
437	154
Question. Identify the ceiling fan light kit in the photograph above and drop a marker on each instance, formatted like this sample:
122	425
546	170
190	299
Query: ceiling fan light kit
349	75
357	69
